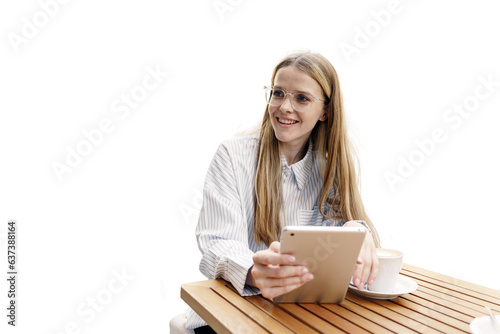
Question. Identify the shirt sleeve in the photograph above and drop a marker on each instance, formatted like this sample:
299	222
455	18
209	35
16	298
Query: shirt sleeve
222	230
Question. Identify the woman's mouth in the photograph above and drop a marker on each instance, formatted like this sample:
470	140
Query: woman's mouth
286	121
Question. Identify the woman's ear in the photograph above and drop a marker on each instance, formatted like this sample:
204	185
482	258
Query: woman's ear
323	117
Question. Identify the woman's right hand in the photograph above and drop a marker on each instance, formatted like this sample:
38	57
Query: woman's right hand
275	274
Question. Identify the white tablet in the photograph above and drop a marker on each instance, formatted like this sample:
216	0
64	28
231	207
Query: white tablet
330	254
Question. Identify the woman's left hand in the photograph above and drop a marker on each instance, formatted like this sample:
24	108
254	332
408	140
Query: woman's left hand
366	270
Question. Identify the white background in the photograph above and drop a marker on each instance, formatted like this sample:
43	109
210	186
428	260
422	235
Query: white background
131	204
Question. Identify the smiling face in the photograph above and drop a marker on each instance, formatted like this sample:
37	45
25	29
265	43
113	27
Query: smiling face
293	128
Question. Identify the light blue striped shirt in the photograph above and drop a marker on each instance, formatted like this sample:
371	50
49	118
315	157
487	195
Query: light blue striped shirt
225	227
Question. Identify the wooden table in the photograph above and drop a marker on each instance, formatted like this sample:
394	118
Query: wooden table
441	304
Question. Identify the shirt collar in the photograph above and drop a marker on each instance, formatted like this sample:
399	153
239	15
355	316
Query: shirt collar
302	168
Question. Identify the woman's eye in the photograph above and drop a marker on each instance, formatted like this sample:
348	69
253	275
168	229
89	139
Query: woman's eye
278	93
302	98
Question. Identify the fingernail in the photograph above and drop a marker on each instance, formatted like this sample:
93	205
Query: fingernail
309	277
371	282
305	271
356	282
291	259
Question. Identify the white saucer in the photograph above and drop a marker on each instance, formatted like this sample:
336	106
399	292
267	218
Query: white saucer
484	325
404	285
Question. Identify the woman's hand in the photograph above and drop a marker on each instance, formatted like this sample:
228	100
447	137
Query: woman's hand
274	273
366	270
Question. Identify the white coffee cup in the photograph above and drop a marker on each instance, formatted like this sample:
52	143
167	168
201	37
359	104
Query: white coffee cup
391	262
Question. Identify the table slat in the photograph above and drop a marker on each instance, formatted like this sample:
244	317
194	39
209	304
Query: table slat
417	316
428	309
334	319
211	307
296	324
454	281
432	304
275	311
356	319
463	299
465	292
252	311
366	312
452	302
416	323
314	321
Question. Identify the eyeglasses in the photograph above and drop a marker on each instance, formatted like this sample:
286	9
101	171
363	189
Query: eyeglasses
301	101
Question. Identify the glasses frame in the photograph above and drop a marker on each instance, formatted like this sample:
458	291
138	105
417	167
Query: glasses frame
292	95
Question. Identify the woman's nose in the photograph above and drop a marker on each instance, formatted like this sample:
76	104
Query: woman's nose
287	104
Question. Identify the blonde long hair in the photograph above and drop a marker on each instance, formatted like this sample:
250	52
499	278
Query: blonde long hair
330	143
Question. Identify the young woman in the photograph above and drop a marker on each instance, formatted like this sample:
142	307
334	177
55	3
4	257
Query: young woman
298	170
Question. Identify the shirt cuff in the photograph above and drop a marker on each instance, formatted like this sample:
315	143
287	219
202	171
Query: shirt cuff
237	272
